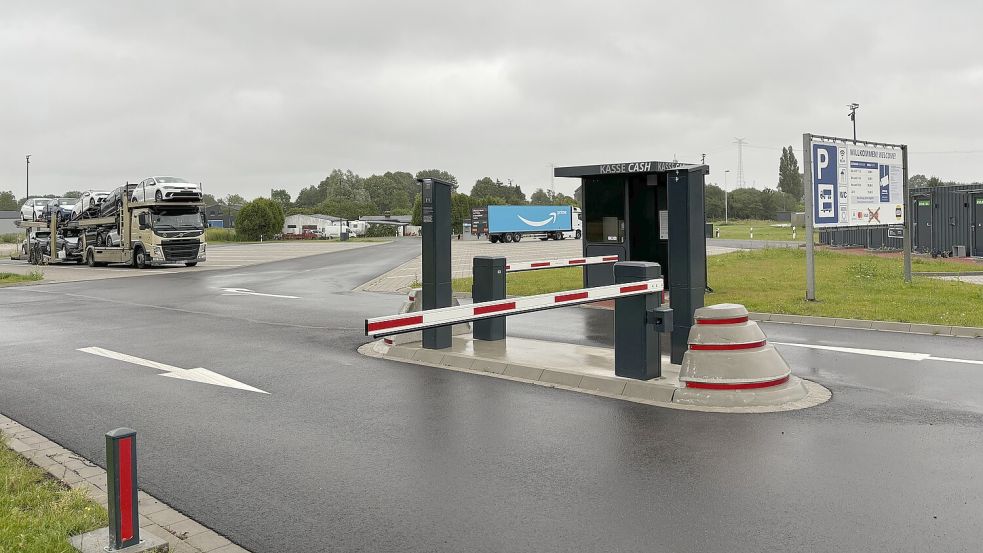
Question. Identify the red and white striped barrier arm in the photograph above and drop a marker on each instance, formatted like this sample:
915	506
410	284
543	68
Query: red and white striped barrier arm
555	263
396	324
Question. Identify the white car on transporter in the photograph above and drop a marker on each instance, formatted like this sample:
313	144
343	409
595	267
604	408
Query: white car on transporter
173	189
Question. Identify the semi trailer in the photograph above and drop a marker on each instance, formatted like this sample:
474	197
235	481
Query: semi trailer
512	223
138	233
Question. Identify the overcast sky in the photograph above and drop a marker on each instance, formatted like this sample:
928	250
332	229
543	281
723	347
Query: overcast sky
247	96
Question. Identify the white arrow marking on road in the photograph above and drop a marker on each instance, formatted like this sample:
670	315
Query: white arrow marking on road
248	292
908	356
204	376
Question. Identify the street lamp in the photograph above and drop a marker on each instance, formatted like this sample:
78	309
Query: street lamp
853	117
725	194
27	176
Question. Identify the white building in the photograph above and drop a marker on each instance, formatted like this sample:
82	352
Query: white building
325	225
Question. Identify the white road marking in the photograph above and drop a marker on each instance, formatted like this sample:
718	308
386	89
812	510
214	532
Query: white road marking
248	292
203	376
908	356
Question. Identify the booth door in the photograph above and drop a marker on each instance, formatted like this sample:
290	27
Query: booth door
604	225
978	221
923	224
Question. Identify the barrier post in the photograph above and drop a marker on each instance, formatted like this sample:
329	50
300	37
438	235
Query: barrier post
637	352
489	284
121	476
436	229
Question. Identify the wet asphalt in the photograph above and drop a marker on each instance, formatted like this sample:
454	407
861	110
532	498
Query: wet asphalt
349	453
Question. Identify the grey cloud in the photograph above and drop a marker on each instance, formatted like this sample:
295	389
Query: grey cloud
245	96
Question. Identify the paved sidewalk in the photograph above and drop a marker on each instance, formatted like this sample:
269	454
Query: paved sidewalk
182	534
399	279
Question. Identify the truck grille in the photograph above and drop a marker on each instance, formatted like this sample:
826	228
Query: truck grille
179	250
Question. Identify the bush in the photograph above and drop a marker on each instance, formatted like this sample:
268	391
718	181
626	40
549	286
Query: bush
380	231
259	218
11	238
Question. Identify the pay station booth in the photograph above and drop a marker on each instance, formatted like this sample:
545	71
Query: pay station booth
648	211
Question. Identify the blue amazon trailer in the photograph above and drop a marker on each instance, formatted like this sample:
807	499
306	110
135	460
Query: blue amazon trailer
510	223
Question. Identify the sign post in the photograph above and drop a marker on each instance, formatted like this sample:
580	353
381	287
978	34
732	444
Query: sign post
810	247
853	183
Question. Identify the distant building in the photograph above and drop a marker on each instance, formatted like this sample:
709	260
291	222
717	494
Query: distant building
221	215
403	223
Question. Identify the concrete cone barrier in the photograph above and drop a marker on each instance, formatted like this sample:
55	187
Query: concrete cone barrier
413	304
730	363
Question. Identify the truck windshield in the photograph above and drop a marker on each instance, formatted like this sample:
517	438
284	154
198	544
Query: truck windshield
175	219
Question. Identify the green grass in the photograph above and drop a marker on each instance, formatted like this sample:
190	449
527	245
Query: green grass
11	238
763	230
213	235
14	278
528	283
847	286
38	513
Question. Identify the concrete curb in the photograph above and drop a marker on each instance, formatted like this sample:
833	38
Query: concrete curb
889	326
658	392
183	535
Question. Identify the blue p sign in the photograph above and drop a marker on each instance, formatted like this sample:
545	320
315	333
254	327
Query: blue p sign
824	178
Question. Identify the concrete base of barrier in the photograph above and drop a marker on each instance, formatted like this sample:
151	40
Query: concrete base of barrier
589	370
790	392
97	541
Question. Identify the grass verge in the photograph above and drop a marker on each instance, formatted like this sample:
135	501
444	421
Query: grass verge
847	286
38	513
14	278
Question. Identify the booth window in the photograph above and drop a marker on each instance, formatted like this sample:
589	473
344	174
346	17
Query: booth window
604	203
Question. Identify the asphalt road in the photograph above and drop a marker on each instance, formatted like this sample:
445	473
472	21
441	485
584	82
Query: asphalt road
349	453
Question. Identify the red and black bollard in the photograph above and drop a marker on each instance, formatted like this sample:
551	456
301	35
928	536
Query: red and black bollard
121	474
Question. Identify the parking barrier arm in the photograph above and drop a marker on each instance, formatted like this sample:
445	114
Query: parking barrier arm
431	318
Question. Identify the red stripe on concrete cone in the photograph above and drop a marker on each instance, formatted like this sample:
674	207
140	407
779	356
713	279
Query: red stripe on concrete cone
634	288
125	489
383	325
494	308
719	347
570	297
741	386
731	321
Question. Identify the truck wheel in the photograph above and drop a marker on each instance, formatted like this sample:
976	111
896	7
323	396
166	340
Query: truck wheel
516	237
578	234
140	259
545	238
507	238
493	239
90	259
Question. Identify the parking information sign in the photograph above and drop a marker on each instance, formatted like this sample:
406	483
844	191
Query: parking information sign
856	184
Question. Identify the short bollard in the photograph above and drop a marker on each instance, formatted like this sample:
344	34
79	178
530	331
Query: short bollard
637	323
489	284
121	475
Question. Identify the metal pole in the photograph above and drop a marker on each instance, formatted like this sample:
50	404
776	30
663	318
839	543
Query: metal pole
906	238
28	176
807	194
725	194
